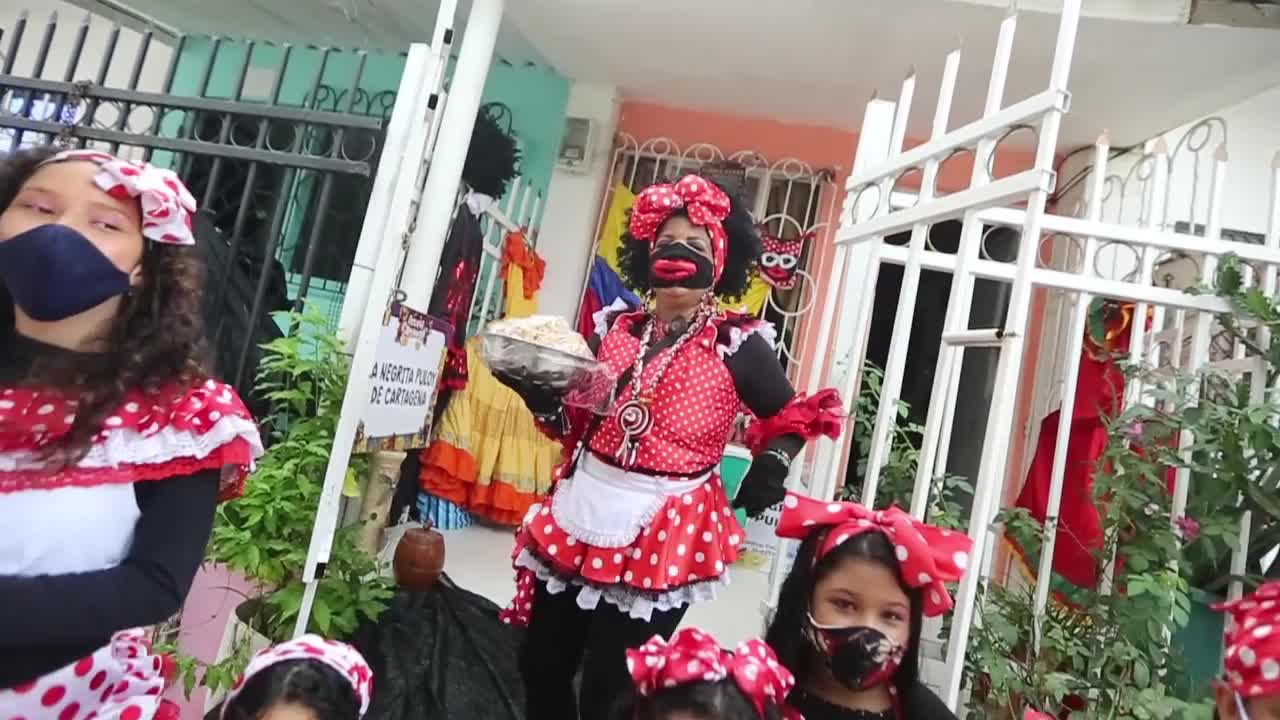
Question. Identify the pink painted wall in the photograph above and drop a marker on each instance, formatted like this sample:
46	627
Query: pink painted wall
214	595
820	147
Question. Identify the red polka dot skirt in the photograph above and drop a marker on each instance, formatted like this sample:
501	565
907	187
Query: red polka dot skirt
681	557
122	681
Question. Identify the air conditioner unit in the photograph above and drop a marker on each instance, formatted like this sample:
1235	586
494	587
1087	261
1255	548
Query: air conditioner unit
576	145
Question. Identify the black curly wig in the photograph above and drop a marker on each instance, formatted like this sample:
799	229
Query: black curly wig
493	158
740	259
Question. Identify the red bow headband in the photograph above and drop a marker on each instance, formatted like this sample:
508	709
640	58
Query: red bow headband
167	205
929	557
692	656
704	201
343	658
1252	659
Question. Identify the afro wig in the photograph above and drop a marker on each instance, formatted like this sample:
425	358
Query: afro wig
741	257
493	158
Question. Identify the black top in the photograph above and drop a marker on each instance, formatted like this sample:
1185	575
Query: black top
50	621
920	704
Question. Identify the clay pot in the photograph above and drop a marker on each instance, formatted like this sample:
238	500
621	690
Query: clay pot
419	559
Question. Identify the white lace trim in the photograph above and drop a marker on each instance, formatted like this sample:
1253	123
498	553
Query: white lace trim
600	318
739	335
130	447
636	604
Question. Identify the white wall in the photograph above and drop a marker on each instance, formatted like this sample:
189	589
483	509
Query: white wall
88	63
566	239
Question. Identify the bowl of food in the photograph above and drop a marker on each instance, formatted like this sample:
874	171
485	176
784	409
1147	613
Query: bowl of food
542	350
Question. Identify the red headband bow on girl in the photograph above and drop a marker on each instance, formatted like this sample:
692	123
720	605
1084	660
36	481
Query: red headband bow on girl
929	557
167	205
693	656
343	658
704	201
1252	659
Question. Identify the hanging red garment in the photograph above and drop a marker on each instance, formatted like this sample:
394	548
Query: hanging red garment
516	251
454	291
1099	394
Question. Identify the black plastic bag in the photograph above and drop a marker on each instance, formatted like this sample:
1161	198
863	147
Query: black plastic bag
443	654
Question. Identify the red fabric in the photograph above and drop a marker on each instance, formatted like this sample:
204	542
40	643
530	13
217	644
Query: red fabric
704	201
693	538
586	313
516	251
694	406
692	656
166	204
1252	658
32	418
929	557
780	259
808	417
1099	394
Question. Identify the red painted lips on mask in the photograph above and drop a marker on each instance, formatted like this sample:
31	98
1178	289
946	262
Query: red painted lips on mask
673	270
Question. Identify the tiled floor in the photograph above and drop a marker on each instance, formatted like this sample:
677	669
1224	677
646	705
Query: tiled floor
479	559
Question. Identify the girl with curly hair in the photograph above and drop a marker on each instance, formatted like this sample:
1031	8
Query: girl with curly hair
115	445
638	525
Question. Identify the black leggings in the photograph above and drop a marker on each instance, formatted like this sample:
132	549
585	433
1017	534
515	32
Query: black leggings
562	637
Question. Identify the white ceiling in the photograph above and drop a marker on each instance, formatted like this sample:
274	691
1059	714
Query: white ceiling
818	61
806	61
388	25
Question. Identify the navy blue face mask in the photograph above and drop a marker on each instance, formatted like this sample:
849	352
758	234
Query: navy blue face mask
53	272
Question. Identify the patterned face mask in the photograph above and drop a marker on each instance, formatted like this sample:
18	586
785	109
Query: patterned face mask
860	657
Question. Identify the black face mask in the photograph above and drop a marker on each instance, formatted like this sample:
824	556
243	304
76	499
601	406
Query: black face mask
53	272
859	657
678	265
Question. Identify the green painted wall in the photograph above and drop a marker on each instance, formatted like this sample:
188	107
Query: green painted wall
536	95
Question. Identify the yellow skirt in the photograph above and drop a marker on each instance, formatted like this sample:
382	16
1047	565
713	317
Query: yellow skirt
487	454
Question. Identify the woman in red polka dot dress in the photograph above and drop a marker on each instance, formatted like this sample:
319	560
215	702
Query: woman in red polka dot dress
638	525
114	445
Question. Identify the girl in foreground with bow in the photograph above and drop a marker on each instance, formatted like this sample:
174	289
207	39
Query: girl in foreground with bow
309	678
1250	689
850	612
638	525
691	678
115	445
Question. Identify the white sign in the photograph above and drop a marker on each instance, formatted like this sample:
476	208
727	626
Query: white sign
406	374
762	542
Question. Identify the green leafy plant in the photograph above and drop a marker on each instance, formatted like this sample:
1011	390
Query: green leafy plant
1106	652
949	495
264	535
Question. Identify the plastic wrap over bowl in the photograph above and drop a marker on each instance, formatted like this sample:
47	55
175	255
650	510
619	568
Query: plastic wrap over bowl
539	364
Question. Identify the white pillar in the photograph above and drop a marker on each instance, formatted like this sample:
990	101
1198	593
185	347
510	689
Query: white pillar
445	175
567	235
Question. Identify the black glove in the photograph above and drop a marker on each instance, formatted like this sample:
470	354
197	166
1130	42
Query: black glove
764	486
540	399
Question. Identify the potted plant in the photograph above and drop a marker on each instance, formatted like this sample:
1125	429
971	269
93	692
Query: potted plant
264	535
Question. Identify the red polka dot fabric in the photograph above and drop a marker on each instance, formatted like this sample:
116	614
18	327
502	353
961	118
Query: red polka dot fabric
149	437
694	405
929	557
694	536
706	204
122	681
346	660
1252	658
692	656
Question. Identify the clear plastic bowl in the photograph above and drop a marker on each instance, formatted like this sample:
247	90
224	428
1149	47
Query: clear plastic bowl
539	364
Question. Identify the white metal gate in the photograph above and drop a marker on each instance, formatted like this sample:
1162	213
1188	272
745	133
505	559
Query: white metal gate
1182	320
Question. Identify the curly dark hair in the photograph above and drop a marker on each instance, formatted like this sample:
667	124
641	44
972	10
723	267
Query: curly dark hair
705	700
156	340
740	259
786	634
308	683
